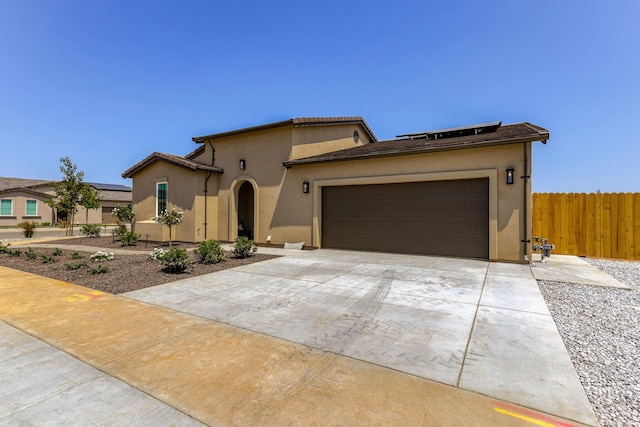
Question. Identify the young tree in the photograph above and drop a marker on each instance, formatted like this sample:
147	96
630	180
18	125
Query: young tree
68	192
89	199
169	219
124	215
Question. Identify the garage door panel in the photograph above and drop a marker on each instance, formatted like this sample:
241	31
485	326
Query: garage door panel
449	218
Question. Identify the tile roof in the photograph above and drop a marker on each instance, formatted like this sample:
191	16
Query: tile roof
507	134
296	122
176	160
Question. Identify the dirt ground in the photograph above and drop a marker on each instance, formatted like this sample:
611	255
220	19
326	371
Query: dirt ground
125	272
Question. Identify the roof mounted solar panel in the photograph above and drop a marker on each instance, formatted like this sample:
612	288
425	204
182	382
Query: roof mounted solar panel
454	132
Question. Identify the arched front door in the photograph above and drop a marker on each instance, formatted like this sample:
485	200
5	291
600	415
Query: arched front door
246	205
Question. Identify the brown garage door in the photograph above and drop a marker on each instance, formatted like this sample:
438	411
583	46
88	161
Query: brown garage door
449	218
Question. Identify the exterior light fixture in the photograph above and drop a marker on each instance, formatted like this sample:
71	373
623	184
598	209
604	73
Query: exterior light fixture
243	164
305	187
510	172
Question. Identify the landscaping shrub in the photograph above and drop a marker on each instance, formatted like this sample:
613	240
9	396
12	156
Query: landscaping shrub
244	247
100	269
209	252
129	238
47	259
46	224
57	252
175	261
76	255
4	248
75	266
102	256
31	254
15	253
28	228
90	230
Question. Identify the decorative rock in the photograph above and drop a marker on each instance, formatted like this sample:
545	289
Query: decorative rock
298	246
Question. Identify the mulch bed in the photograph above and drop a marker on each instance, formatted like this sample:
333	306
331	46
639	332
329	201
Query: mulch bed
126	272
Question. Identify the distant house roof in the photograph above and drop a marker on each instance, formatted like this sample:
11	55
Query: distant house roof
296	122
26	190
113	192
6	183
170	158
429	142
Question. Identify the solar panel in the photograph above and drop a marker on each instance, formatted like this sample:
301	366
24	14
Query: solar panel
454	132
109	187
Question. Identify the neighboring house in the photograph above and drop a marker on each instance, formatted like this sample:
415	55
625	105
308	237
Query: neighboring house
24	200
330	183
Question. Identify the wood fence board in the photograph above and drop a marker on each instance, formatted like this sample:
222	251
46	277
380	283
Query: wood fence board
622	217
636	226
598	225
591	224
561	238
614	225
584	232
606	225
628	221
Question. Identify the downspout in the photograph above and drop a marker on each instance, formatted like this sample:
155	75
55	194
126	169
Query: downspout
206	188
525	241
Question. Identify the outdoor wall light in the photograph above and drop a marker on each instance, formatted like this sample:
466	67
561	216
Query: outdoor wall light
243	164
305	187
510	172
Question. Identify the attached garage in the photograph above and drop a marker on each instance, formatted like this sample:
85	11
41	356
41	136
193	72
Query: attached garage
446	218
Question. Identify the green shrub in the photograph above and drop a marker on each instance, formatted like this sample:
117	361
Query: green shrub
4	248
16	253
209	252
244	247
90	230
31	254
129	238
102	256
46	224
57	252
100	269
75	266
175	261
47	259
76	255
28	228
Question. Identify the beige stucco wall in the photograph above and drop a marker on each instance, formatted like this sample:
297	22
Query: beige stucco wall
44	212
283	212
298	216
182	185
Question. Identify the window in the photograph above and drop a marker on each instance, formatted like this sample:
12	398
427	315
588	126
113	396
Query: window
6	207
161	197
32	208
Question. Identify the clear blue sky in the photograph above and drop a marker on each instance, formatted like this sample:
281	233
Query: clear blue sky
108	82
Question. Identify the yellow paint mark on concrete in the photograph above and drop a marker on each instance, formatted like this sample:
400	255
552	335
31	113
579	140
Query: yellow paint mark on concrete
84	296
525	418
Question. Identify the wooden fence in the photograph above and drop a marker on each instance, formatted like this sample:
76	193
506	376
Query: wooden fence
602	225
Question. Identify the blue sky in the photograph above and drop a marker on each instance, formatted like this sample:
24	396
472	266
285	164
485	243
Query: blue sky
108	82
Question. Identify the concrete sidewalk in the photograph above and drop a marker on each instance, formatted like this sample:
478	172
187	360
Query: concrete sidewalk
186	368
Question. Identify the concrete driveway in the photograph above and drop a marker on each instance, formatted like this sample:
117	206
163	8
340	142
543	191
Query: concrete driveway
472	324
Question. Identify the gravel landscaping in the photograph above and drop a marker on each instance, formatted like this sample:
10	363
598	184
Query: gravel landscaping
601	330
126	272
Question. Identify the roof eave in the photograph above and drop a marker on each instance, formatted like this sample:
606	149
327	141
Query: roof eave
542	137
156	157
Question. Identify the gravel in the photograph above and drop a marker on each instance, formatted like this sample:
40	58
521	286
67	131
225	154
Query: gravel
601	329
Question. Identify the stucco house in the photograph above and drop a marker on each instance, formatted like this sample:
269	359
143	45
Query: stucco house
330	183
23	199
